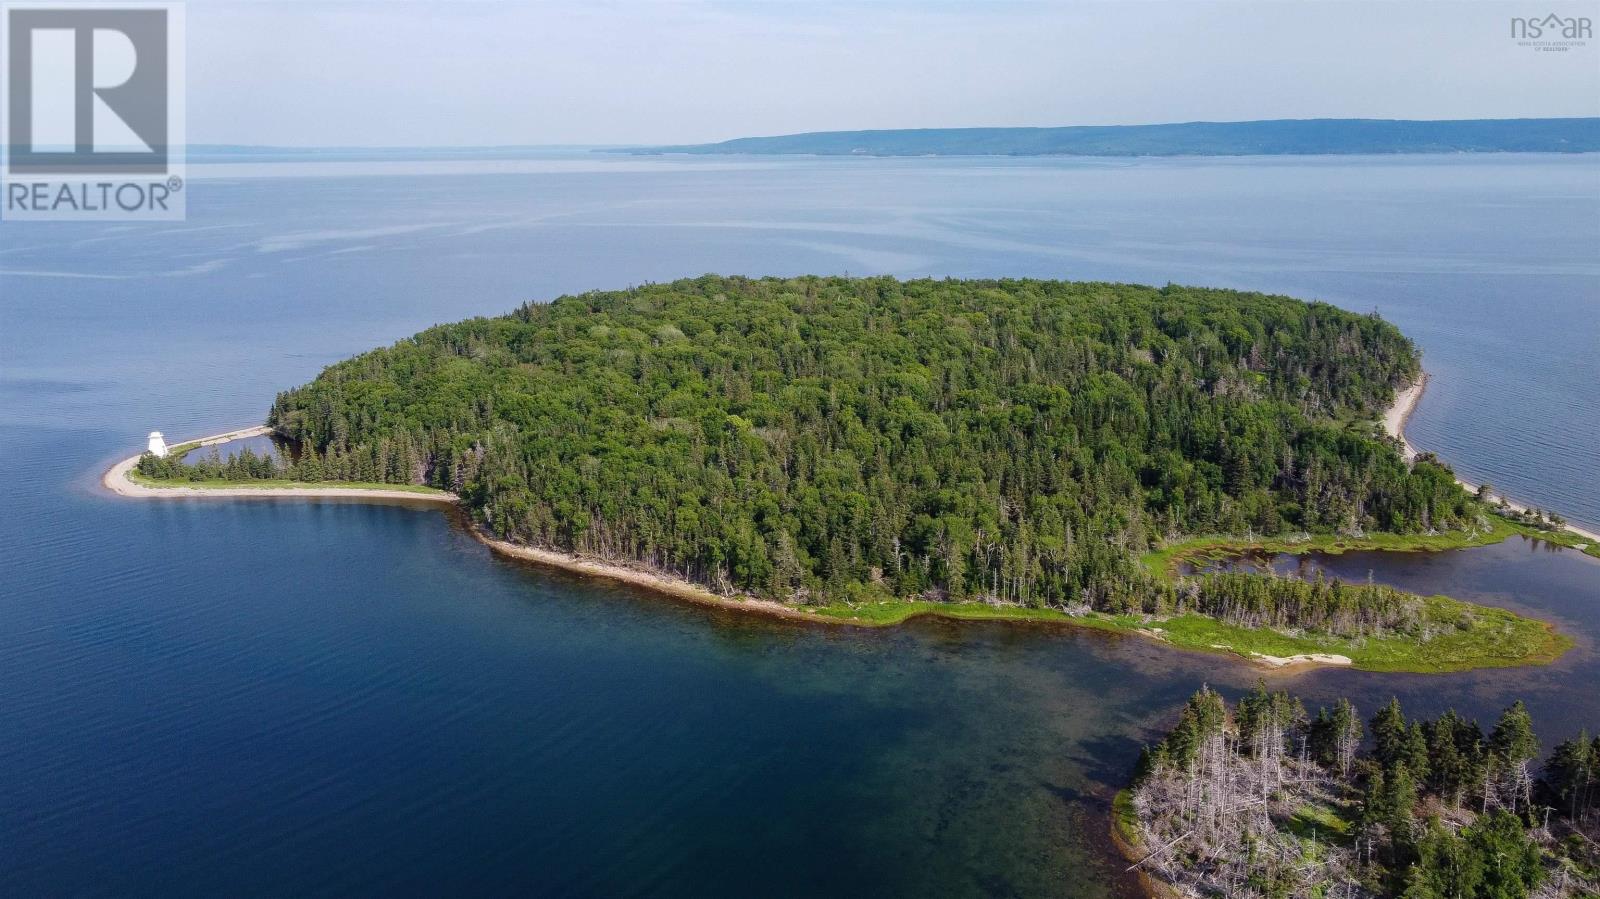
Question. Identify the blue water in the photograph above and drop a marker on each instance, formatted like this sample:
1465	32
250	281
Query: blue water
210	697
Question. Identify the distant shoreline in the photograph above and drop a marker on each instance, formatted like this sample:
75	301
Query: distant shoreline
1399	415
1269	137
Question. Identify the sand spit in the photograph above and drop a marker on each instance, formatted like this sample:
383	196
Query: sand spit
118	480
1394	422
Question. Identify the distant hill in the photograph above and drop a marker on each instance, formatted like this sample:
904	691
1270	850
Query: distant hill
1282	137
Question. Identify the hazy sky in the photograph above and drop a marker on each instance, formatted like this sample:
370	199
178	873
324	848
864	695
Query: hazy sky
402	73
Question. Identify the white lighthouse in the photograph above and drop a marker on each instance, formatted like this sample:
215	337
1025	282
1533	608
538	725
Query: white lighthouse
158	445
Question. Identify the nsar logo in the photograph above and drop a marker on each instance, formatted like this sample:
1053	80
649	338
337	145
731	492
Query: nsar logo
1552	32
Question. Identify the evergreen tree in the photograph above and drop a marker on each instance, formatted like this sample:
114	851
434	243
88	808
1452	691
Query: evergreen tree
1509	858
1572	775
1514	748
1390	735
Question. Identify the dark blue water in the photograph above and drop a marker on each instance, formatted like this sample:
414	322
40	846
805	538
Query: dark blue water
212	697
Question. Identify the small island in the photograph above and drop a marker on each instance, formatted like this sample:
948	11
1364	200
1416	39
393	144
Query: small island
863	450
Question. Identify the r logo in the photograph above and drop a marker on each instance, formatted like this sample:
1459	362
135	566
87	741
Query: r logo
88	90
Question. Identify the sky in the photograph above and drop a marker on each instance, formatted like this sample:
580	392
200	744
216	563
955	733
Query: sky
397	73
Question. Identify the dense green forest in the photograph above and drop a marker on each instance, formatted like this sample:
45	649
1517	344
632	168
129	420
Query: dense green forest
378	462
819	439
1263	800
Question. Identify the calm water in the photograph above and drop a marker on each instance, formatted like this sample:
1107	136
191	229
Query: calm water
265	445
302	698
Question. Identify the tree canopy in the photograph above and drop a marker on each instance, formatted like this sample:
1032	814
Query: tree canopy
831	438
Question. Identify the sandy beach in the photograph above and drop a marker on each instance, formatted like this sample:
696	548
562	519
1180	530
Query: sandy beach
1399	414
649	580
1302	662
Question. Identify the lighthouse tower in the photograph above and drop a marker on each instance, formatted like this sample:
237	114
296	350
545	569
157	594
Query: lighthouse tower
158	445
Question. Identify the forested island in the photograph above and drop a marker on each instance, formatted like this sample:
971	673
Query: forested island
866	449
1264	800
1278	137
